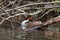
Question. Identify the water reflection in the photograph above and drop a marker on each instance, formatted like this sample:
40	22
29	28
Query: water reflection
47	34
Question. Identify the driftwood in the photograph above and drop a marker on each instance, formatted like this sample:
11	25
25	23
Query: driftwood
56	19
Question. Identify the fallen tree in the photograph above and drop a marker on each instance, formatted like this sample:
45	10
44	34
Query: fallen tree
56	19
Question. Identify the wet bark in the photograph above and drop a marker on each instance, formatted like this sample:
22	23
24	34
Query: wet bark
56	19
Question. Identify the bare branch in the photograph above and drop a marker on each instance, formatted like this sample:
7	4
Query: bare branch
46	13
39	3
9	4
37	12
2	22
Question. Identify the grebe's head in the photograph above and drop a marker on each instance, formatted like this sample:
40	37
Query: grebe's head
29	17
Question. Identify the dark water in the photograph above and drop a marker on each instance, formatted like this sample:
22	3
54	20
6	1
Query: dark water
31	35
